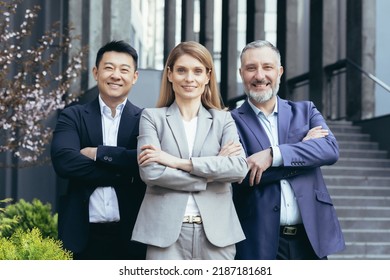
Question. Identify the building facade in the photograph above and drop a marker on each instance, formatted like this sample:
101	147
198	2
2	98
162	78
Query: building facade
327	47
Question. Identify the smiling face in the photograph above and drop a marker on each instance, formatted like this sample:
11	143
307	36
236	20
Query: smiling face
189	78
115	76
260	72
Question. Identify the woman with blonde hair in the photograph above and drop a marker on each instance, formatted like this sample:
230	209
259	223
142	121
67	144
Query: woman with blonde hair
189	154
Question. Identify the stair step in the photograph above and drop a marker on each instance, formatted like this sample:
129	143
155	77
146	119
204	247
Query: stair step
359	211
344	128
340	136
367	248
339	122
362	200
359	190
363	162
358	257
365	222
347	180
358	171
360	153
357	145
367	235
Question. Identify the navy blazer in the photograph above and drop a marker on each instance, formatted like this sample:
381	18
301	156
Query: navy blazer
80	126
258	207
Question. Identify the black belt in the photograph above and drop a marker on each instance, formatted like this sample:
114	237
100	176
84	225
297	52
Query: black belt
293	230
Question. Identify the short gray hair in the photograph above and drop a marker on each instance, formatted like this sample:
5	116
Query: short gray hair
260	44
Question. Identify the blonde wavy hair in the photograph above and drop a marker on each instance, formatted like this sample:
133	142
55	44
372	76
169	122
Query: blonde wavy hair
211	98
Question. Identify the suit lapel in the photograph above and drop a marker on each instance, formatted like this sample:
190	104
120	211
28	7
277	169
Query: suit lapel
176	126
93	124
129	121
204	123
284	117
249	117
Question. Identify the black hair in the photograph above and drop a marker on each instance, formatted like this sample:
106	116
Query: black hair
117	46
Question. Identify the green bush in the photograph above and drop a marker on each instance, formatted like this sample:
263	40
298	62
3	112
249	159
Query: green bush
30	245
28	231
26	216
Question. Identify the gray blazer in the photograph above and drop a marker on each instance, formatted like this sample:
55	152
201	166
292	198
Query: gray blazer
160	218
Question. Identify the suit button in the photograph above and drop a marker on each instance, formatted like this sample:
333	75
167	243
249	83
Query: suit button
105	157
276	208
110	159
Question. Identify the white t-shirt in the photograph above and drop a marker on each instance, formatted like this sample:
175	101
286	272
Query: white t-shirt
190	130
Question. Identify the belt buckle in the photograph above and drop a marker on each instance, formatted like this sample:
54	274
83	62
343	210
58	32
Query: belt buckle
192	219
197	219
290	230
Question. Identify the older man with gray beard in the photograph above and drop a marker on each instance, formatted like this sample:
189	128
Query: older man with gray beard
283	204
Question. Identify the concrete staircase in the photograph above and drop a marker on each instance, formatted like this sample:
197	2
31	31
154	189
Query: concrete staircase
359	184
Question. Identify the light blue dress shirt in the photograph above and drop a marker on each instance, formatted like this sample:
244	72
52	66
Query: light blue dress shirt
289	209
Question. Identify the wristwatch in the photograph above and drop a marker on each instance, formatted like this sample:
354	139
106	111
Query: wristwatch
271	151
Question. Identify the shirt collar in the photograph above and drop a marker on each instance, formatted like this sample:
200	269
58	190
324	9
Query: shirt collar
258	111
105	110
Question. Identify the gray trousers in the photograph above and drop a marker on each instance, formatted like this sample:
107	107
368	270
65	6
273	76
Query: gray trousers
191	245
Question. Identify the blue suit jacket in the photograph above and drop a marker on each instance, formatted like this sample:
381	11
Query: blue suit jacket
258	207
80	126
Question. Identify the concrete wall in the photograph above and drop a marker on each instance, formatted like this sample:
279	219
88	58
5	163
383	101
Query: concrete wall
382	56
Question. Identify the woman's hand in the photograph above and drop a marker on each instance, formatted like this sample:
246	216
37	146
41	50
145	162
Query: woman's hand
151	153
230	149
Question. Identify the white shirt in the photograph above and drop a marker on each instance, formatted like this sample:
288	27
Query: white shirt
289	209
103	203
190	130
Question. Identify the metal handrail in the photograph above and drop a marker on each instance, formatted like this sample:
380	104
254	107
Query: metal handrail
297	81
371	76
329	69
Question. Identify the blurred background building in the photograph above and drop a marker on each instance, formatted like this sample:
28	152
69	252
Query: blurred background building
335	53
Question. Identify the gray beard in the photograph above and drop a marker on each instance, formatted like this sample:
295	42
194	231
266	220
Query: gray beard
263	97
